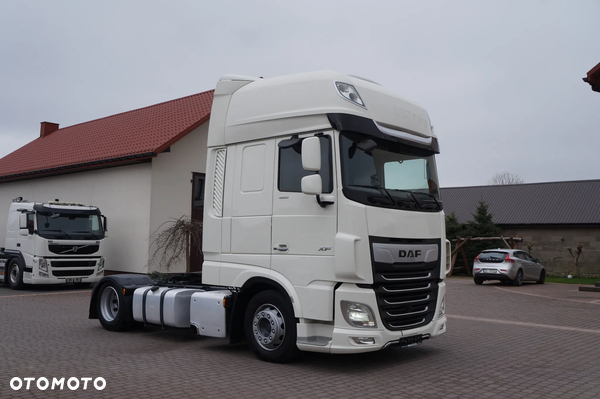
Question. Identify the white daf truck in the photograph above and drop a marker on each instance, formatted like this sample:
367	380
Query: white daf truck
323	225
52	243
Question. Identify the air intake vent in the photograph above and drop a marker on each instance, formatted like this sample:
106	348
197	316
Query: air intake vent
219	183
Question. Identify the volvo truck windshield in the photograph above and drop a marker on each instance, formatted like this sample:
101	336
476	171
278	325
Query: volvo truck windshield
67	225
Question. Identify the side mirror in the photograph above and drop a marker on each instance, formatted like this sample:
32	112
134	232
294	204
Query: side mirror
23	221
311	154
312	184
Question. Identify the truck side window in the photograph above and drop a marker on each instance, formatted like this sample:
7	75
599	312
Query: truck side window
291	171
30	222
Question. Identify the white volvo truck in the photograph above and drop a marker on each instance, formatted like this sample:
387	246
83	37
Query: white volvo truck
52	243
323	225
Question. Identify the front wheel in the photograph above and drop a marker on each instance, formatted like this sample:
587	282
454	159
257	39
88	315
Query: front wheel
111	307
270	327
542	279
15	275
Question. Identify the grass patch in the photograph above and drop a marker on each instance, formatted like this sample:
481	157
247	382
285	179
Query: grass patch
574	280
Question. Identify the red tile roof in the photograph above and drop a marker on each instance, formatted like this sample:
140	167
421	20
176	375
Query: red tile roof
114	140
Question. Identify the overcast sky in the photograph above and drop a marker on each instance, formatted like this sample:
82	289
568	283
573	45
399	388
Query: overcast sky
501	80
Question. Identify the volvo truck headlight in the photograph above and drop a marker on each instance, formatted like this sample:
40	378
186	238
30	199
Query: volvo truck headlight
43	264
358	314
349	92
101	264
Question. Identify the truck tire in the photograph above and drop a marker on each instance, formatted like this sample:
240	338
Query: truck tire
270	327
15	275
111	307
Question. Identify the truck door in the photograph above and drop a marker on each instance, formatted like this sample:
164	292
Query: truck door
251	208
303	231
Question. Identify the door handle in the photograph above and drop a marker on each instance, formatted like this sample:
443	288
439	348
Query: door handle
280	247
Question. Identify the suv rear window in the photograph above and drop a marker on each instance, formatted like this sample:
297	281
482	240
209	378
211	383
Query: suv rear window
494	256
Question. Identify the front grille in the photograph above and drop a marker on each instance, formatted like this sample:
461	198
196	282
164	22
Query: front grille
406	291
71	249
77	263
71	273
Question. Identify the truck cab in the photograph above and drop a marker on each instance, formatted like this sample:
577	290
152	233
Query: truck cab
52	243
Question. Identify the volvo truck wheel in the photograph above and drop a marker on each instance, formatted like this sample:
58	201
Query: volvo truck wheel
15	274
111	309
270	327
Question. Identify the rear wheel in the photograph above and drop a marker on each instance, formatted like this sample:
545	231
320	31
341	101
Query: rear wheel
542	279
110	307
15	275
270	327
478	280
518	280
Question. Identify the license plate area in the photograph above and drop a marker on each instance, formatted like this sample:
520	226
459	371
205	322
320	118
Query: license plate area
490	271
73	280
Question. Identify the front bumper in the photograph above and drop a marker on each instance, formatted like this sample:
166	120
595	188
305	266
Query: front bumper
29	278
343	338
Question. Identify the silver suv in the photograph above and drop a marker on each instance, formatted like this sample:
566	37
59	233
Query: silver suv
509	266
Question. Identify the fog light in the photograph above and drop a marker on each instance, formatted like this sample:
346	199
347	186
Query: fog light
100	273
358	314
442	307
43	265
42	274
364	340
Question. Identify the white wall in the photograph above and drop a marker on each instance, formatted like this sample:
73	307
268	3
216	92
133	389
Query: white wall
121	193
172	182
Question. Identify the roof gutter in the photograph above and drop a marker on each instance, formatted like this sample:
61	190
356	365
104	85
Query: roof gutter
104	162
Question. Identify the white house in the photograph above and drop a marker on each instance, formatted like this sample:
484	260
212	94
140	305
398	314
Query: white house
142	168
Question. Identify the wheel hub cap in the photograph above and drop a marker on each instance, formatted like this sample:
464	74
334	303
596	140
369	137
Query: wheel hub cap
268	327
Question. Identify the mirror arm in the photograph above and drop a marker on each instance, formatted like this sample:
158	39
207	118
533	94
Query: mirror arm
324	202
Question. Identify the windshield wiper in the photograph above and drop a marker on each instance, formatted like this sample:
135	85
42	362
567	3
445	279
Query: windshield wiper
411	194
381	189
433	198
60	231
87	232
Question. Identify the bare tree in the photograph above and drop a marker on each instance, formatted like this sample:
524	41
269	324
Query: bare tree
173	244
502	178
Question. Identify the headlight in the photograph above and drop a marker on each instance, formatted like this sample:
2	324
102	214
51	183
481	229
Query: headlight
358	314
442	307
43	264
349	92
101	264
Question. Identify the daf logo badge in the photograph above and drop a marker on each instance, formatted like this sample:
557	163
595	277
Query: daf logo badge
409	253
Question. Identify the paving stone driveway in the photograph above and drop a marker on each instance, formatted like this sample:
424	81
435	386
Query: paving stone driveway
531	341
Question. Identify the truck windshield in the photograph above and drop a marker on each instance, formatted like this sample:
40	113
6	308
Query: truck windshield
69	226
388	174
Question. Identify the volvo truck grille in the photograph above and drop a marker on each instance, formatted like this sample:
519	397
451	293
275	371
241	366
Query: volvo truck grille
71	273
75	263
70	249
406	273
